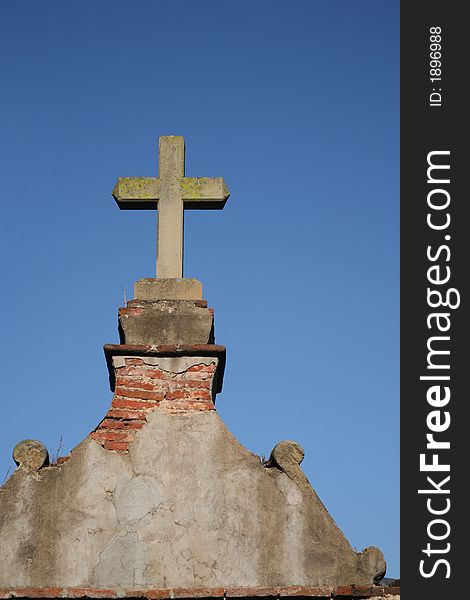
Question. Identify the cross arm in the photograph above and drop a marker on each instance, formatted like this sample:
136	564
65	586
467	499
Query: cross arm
137	192
204	192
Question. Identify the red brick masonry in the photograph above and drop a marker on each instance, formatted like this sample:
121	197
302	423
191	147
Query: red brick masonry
167	350
344	592
141	389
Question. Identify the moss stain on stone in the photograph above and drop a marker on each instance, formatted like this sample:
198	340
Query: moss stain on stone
193	186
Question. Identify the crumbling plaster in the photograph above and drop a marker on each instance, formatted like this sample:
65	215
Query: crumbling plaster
187	506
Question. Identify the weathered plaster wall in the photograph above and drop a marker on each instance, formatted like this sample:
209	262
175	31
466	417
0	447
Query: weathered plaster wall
161	495
187	506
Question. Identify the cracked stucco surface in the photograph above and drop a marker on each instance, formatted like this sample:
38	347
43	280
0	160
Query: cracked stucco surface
187	506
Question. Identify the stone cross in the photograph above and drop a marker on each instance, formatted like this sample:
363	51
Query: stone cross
171	192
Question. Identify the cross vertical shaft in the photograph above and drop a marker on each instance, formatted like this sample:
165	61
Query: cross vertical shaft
170	207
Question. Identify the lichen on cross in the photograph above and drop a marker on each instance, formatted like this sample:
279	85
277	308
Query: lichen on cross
171	193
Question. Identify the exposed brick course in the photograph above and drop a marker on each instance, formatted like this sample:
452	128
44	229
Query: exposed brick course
122	424
119	413
116	436
118	446
191	383
135	382
122	402
206	368
177	394
141	394
135	361
186	406
343	592
130	311
142	388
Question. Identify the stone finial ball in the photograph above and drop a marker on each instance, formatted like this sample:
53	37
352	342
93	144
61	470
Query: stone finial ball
373	562
287	452
30	455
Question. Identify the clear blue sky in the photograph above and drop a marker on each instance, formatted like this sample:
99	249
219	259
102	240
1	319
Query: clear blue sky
296	105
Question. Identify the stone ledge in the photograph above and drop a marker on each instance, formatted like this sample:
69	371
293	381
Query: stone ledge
166	322
167	350
167	289
145	303
344	592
